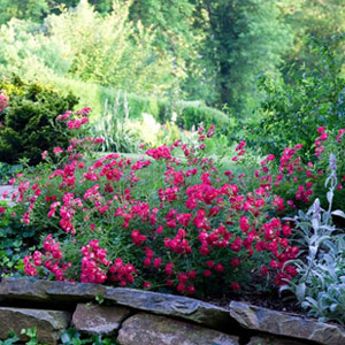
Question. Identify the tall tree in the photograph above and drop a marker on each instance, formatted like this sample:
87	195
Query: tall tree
172	21
244	38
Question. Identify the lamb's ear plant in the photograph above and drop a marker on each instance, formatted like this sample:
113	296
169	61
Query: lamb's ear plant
320	284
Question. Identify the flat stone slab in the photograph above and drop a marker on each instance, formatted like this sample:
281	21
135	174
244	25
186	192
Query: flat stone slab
286	324
148	329
31	289
154	302
171	305
98	320
49	323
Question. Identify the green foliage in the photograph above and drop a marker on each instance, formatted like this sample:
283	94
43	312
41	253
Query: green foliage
323	21
15	240
28	124
32	336
310	92
215	51
24	9
82	44
73	337
12	339
192	114
297	106
108	49
96	96
68	337
192	49
188	113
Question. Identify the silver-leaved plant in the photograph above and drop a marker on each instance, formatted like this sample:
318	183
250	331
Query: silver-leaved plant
320	283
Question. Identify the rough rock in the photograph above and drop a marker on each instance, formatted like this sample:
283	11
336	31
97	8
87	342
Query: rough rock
49	323
273	341
285	324
100	320
147	329
23	289
172	305
31	289
76	292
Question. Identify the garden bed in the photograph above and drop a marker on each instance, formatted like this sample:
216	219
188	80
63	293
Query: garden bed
182	222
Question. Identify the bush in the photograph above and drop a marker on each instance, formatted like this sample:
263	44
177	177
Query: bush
192	114
177	222
309	97
28	122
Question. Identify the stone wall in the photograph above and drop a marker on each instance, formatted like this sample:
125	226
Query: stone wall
136	317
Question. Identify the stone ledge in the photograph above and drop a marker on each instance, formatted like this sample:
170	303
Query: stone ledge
254	324
171	305
286	324
31	289
51	292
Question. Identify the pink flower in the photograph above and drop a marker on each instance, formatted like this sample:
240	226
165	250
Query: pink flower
161	152
4	100
44	155
57	150
340	134
235	286
244	224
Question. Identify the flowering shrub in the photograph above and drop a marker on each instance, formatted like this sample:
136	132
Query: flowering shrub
174	219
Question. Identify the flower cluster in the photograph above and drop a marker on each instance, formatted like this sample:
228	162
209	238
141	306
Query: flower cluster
51	258
121	273
75	120
94	257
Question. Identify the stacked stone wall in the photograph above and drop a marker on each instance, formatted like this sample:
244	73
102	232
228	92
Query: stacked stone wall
136	317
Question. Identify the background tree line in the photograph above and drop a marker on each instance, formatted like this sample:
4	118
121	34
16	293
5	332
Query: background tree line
268	62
